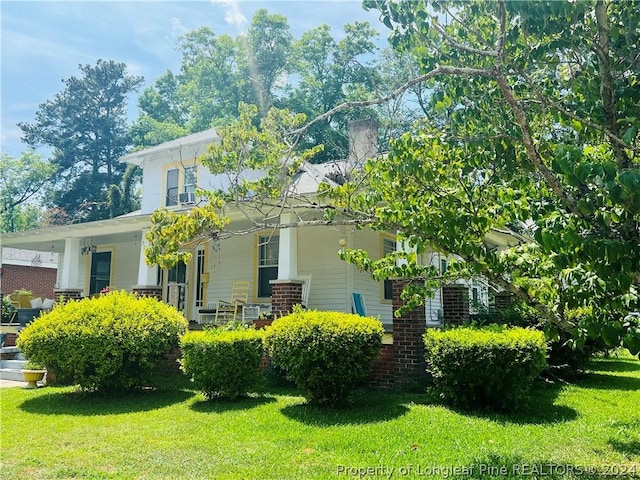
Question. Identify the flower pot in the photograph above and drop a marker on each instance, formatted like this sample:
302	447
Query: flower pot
32	377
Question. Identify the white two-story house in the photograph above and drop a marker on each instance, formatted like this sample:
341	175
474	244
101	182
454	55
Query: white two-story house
110	253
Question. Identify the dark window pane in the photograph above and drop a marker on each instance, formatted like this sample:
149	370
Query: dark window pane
388	289
172	188
264	275
100	272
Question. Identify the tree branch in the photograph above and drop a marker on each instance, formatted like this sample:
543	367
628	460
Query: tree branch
440	70
528	142
459	46
607	94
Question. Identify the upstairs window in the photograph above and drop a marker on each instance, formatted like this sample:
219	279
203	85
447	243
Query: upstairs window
180	180
173	178
189	180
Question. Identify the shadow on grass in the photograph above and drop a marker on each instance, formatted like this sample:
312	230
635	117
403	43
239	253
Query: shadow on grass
221	405
514	467
365	408
80	403
540	410
626	447
602	381
615	365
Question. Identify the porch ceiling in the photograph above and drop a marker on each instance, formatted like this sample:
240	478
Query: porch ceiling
102	232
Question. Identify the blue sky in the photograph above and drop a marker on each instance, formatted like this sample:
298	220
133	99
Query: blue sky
43	42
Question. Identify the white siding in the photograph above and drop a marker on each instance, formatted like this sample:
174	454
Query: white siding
318	255
371	290
233	260
124	265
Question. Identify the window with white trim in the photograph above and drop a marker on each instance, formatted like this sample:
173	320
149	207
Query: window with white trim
190	177
268	246
180	180
173	178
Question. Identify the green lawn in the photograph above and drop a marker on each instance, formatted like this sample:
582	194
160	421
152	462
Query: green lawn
173	433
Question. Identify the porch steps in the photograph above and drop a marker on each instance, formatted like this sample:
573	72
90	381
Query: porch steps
12	369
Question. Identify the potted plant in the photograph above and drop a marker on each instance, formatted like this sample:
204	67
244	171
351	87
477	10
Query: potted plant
33	373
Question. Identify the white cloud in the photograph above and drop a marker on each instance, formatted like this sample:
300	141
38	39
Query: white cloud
177	28
233	15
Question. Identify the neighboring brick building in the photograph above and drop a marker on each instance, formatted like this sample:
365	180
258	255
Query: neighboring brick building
35	271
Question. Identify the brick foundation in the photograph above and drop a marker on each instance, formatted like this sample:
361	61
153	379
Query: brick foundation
68	293
503	301
148	291
284	295
383	369
455	304
408	343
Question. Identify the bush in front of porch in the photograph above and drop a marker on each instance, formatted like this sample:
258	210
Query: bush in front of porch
105	343
324	353
222	362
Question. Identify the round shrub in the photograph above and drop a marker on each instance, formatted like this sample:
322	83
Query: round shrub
110	342
324	353
222	363
489	367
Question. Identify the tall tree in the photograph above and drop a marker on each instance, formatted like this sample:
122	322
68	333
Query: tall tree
85	124
330	72
265	67
266	51
22	179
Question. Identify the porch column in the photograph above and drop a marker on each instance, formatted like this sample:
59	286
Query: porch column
284	295
147	275
69	286
408	343
288	250
455	303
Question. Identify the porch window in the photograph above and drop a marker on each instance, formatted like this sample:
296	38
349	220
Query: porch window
268	246
173	177
388	246
100	272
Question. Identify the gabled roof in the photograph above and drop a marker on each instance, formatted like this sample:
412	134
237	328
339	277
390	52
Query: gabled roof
190	146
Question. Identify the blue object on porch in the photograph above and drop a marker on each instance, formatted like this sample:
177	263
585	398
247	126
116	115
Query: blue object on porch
357	304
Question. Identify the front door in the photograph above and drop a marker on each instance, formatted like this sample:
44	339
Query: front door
175	288
100	274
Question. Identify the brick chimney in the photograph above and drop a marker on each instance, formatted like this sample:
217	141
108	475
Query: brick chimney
363	141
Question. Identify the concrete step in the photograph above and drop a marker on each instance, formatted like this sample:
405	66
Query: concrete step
9	350
11	374
11	353
13	364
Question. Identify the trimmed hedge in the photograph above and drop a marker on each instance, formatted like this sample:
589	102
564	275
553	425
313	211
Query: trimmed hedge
489	367
110	342
222	363
324	353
